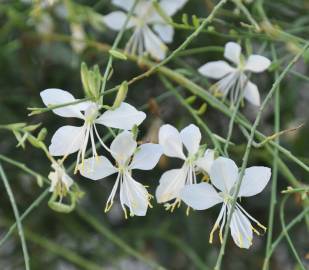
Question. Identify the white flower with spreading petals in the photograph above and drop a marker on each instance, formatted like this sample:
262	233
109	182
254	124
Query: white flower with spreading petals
224	175
172	181
145	39
233	80
70	139
128	157
60	181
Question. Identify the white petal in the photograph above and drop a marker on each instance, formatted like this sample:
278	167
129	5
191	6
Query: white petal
241	229
172	6
232	52
254	181
223	174
251	93
170	140
191	138
154	46
225	84
147	156
204	163
200	196
134	195
171	183
165	31
123	147
67	180
53	96
115	20
125	4
257	63
96	168
216	69
67	140
123	117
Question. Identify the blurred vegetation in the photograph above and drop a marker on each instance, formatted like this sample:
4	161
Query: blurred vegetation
36	53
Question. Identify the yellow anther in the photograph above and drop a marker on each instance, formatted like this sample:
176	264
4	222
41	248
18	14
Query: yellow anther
125	213
205	178
255	230
211	236
261	226
108	206
188	211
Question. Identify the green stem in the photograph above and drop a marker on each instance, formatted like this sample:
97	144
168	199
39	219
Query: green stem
63	252
23	167
33	205
99	227
273	196
114	46
243	8
17	218
286	233
295	220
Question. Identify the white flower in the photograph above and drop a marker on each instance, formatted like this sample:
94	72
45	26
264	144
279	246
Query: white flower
128	157
233	80
60	181
70	139
172	181
224	175
145	39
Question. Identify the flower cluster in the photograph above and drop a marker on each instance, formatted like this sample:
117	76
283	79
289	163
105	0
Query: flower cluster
176	185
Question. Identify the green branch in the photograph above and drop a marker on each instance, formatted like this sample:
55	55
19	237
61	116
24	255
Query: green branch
17	218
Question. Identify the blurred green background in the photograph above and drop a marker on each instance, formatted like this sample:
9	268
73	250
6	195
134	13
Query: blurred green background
36	53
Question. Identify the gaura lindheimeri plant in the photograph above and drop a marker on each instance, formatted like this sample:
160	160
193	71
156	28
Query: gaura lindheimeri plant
70	139
128	157
196	160
150	30
224	175
233	80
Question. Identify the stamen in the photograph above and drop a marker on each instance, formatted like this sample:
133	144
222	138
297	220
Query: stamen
216	226
171	206
100	140
110	199
188	210
250	217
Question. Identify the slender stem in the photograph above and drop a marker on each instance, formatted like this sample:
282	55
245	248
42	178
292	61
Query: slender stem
235	111
248	149
33	205
99	227
295	220
286	233
17	218
178	243
243	8
62	251
114	46
23	167
273	196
